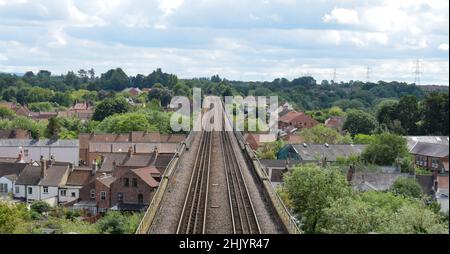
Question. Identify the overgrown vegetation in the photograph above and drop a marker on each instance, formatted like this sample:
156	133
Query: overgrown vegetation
323	202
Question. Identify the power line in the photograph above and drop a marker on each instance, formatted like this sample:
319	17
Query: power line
369	69
334	80
417	72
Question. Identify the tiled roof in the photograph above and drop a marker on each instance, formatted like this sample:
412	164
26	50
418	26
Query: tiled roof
30	175
80	177
137	160
55	176
287	118
8	168
109	159
411	141
37	143
432	150
106	180
146	175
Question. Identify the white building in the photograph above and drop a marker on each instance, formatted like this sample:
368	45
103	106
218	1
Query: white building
61	150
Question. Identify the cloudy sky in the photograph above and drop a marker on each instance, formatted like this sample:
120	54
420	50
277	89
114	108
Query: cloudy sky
238	39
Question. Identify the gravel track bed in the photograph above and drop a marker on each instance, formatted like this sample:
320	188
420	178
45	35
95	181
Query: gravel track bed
267	218
166	219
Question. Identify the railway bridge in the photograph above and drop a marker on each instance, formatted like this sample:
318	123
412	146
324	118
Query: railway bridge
216	185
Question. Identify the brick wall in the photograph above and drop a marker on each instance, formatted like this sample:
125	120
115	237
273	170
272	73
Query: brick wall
130	194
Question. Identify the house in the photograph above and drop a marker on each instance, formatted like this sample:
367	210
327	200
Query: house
275	169
134	189
413	140
42	116
133	91
336	123
18	109
433	157
52	179
62	150
95	197
256	140
26	187
81	110
318	152
297	120
9	172
78	178
92	146
41	182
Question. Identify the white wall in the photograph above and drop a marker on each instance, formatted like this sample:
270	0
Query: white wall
62	154
24	192
52	192
21	193
69	191
9	183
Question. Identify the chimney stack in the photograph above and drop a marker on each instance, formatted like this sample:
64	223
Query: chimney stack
130	151
43	167
20	158
94	168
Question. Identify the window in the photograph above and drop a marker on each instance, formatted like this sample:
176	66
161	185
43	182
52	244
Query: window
102	210
17	189
134	182
140	198
93	194
45	190
3	187
63	193
103	195
30	190
73	194
119	197
126	182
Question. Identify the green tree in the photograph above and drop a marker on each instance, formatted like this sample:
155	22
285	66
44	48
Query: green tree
11	216
164	95
385	149
40	207
321	134
360	122
118	223
53	128
408	113
363	139
435	114
125	123
407	187
109	107
312	189
6	113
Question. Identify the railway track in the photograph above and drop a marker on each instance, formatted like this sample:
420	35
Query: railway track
193	215
243	216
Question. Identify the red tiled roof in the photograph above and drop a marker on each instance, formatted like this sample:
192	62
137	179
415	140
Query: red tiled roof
287	118
146	175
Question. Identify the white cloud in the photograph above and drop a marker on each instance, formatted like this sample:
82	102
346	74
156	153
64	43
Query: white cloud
443	47
342	16
236	38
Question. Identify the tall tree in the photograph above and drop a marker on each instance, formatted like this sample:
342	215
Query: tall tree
360	122
435	114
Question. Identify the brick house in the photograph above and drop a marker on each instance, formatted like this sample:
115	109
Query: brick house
96	196
134	189
431	156
17	108
298	120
